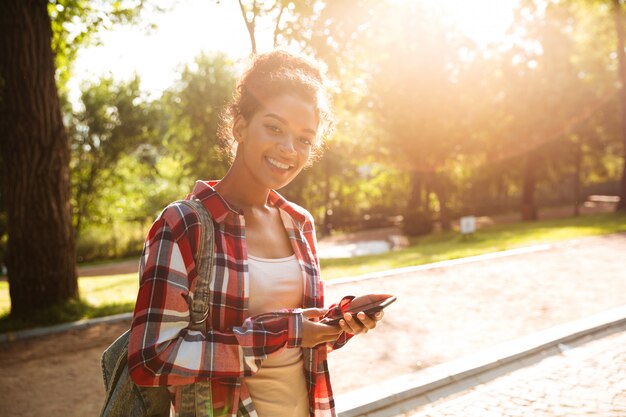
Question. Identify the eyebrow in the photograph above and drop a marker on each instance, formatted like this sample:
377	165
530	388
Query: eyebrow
283	120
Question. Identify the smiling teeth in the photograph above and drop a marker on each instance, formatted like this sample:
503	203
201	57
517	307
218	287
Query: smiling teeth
278	164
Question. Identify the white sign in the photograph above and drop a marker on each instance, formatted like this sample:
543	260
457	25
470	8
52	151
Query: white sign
468	224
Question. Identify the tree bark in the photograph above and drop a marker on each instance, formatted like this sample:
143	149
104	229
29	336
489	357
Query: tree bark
414	201
441	191
621	58
35	171
328	210
529	208
578	157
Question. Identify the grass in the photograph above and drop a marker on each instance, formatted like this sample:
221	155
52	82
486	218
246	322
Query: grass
451	245
106	295
100	296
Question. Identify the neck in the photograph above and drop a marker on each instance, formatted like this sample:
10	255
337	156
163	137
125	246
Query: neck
242	193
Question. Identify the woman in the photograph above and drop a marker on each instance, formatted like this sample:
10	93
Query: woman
263	350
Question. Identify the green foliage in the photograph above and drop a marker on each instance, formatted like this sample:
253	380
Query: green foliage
131	156
194	107
115	124
115	240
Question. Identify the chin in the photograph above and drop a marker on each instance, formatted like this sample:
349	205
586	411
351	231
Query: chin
278	185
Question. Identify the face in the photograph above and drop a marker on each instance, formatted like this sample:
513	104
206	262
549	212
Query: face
275	144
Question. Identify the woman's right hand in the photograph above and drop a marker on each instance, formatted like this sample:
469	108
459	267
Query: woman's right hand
314	333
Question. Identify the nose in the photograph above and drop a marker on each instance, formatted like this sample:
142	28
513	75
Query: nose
286	145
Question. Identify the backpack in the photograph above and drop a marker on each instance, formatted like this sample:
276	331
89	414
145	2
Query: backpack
123	397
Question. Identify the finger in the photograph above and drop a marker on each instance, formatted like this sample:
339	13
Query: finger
350	324
378	316
344	326
366	320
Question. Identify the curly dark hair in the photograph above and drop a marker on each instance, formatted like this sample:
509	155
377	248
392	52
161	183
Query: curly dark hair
273	74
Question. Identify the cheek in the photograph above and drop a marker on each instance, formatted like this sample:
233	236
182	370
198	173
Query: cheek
305	155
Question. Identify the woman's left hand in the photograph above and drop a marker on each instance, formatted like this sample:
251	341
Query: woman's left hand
367	323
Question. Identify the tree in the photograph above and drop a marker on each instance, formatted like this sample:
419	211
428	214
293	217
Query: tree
35	171
618	11
423	103
114	121
194	107
35	149
287	16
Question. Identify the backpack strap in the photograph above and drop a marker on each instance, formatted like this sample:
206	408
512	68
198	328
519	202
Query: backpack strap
196	398
205	256
123	397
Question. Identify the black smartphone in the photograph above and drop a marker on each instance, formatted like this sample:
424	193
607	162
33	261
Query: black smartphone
370	306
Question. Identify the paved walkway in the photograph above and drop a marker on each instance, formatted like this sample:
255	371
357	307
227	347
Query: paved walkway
589	381
447	313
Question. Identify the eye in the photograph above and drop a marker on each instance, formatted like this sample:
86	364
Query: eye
306	141
273	128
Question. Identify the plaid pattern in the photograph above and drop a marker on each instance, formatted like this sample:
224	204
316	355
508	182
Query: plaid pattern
163	351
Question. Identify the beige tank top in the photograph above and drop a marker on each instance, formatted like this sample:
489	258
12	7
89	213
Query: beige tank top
278	389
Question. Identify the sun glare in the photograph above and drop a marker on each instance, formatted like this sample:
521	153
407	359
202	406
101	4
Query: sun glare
483	21
181	34
196	25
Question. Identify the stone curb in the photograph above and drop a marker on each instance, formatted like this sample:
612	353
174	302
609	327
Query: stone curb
405	393
75	325
81	324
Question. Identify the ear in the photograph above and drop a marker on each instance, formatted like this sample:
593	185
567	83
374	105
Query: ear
239	126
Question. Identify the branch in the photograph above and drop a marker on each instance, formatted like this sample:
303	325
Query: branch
277	27
249	24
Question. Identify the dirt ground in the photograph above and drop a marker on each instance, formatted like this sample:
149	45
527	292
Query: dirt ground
441	314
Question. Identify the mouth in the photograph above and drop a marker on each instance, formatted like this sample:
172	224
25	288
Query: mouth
278	165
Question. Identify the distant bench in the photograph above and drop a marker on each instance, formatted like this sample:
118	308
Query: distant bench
612	199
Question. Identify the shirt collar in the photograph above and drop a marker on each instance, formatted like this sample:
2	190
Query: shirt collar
220	209
212	200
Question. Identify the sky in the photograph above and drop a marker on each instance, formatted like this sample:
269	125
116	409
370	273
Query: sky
192	26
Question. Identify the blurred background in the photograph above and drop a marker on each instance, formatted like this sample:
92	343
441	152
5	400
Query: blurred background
445	108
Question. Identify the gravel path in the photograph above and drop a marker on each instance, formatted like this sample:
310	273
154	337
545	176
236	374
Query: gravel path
440	314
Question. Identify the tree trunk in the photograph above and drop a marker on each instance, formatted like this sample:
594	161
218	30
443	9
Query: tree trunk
529	208
415	195
578	156
621	58
441	191
328	205
35	171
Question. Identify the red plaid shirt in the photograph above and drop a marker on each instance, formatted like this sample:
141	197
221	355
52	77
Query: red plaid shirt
163	351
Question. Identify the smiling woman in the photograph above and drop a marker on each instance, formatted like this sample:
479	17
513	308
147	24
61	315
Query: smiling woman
263	350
